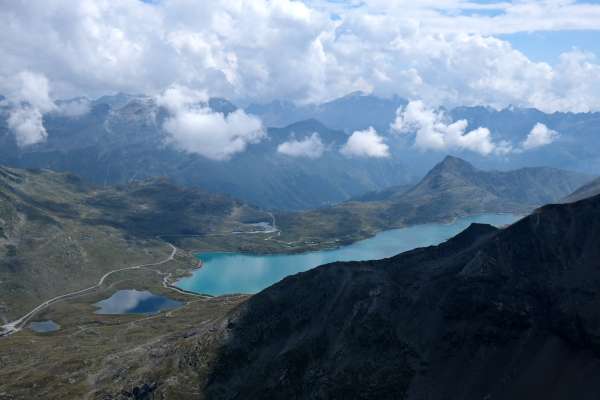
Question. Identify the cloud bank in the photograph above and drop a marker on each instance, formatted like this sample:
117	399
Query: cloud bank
444	53
366	143
309	147
194	128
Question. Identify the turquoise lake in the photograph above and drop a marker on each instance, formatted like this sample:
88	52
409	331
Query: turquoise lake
226	273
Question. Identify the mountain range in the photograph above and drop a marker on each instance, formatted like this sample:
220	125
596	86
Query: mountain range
355	111
122	138
54	224
453	188
492	313
577	147
508	300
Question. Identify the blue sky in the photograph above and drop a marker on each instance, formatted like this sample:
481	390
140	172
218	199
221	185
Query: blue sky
548	45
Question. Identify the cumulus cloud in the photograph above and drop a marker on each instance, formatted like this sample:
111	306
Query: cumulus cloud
434	131
258	50
26	123
310	147
194	128
366	143
32	89
540	135
27	96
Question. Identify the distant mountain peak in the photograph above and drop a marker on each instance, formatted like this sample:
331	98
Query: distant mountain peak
356	93
307	127
310	123
455	164
457	185
450	159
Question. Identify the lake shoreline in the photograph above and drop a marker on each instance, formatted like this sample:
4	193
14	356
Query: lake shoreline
338	243
221	273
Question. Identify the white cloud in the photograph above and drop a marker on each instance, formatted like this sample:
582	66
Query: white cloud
257	50
366	143
540	135
27	95
310	147
489	18
31	88
194	128
178	97
73	108
26	123
433	131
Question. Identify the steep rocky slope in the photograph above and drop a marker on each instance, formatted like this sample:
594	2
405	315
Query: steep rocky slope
588	190
491	314
497	314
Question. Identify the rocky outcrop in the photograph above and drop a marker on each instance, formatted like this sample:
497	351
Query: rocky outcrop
490	314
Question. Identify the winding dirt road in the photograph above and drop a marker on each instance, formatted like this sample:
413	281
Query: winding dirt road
16	325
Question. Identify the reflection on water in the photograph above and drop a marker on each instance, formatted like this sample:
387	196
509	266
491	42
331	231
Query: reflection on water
135	302
224	273
44	326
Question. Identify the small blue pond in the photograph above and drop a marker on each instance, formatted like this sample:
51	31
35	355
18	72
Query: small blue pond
44	326
133	301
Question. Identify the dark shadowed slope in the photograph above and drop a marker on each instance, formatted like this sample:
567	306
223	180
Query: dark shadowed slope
588	190
490	314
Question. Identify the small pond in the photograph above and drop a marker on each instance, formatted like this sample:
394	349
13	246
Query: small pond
44	326
131	301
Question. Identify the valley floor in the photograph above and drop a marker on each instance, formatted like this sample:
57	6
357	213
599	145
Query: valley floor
87	357
18	324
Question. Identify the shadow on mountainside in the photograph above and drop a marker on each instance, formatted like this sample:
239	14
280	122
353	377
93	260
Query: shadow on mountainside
491	314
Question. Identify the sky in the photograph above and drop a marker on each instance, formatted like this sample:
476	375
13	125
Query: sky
543	54
547	46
